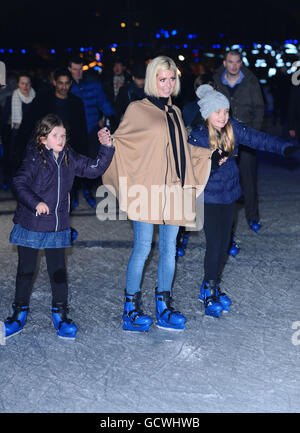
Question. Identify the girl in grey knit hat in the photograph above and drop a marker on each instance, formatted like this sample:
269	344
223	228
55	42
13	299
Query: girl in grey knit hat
210	100
223	135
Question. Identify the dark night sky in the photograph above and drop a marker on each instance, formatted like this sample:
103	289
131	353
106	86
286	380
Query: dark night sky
69	23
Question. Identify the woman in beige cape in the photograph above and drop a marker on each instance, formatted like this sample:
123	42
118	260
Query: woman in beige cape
152	174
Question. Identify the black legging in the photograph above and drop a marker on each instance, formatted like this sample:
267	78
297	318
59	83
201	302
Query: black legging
56	266
248	179
218	221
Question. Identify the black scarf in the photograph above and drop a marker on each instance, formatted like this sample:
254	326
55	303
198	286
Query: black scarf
159	102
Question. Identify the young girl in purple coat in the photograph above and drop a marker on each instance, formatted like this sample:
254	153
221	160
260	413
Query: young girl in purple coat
223	135
42	188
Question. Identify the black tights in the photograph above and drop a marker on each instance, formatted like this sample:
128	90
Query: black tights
218	221
56	266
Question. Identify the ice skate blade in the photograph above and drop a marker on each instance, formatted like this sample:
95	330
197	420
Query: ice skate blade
136	329
223	311
12	335
66	338
169	328
213	316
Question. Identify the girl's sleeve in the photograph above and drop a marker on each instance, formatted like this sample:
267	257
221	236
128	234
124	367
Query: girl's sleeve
92	168
259	140
25	177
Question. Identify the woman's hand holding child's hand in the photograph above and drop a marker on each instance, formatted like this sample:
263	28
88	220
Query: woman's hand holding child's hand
42	208
218	158
224	156
105	137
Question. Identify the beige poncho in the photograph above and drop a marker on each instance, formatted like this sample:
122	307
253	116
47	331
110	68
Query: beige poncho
143	175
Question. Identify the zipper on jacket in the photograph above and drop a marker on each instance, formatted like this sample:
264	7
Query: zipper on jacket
58	194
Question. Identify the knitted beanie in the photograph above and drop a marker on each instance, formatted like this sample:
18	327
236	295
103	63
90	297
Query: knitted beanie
210	100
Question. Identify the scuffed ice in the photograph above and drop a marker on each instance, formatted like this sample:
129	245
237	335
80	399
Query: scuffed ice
247	361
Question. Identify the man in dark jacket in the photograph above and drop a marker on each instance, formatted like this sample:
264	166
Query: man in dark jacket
242	89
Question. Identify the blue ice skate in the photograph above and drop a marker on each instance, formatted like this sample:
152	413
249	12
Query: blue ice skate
167	317
182	244
14	324
75	202
89	198
133	317
65	327
223	298
234	248
74	234
208	295
254	225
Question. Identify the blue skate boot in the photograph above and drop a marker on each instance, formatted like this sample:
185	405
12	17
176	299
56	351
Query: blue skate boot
182	241
75	201
89	198
234	248
133	316
223	298
208	296
167	317
14	324
74	234
254	225
65	327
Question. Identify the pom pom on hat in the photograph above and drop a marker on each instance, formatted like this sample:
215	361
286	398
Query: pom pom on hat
210	100
203	90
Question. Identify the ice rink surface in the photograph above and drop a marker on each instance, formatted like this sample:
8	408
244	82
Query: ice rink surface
246	361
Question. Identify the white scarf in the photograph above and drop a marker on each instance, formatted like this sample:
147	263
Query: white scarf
16	106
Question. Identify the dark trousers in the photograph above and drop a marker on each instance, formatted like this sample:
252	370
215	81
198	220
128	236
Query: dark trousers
56	266
248	179
218	221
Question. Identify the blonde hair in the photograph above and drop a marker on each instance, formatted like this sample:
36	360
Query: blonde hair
154	67
223	139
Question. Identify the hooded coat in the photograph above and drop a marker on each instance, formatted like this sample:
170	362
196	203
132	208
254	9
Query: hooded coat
143	172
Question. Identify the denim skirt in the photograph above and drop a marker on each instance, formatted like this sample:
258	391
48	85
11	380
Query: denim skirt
39	240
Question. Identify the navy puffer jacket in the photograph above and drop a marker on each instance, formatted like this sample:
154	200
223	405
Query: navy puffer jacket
51	183
223	186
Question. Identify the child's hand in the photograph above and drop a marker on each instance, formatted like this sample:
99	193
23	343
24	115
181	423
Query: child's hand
42	208
218	158
105	137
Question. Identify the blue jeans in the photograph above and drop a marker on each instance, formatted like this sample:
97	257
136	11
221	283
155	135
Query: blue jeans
143	234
